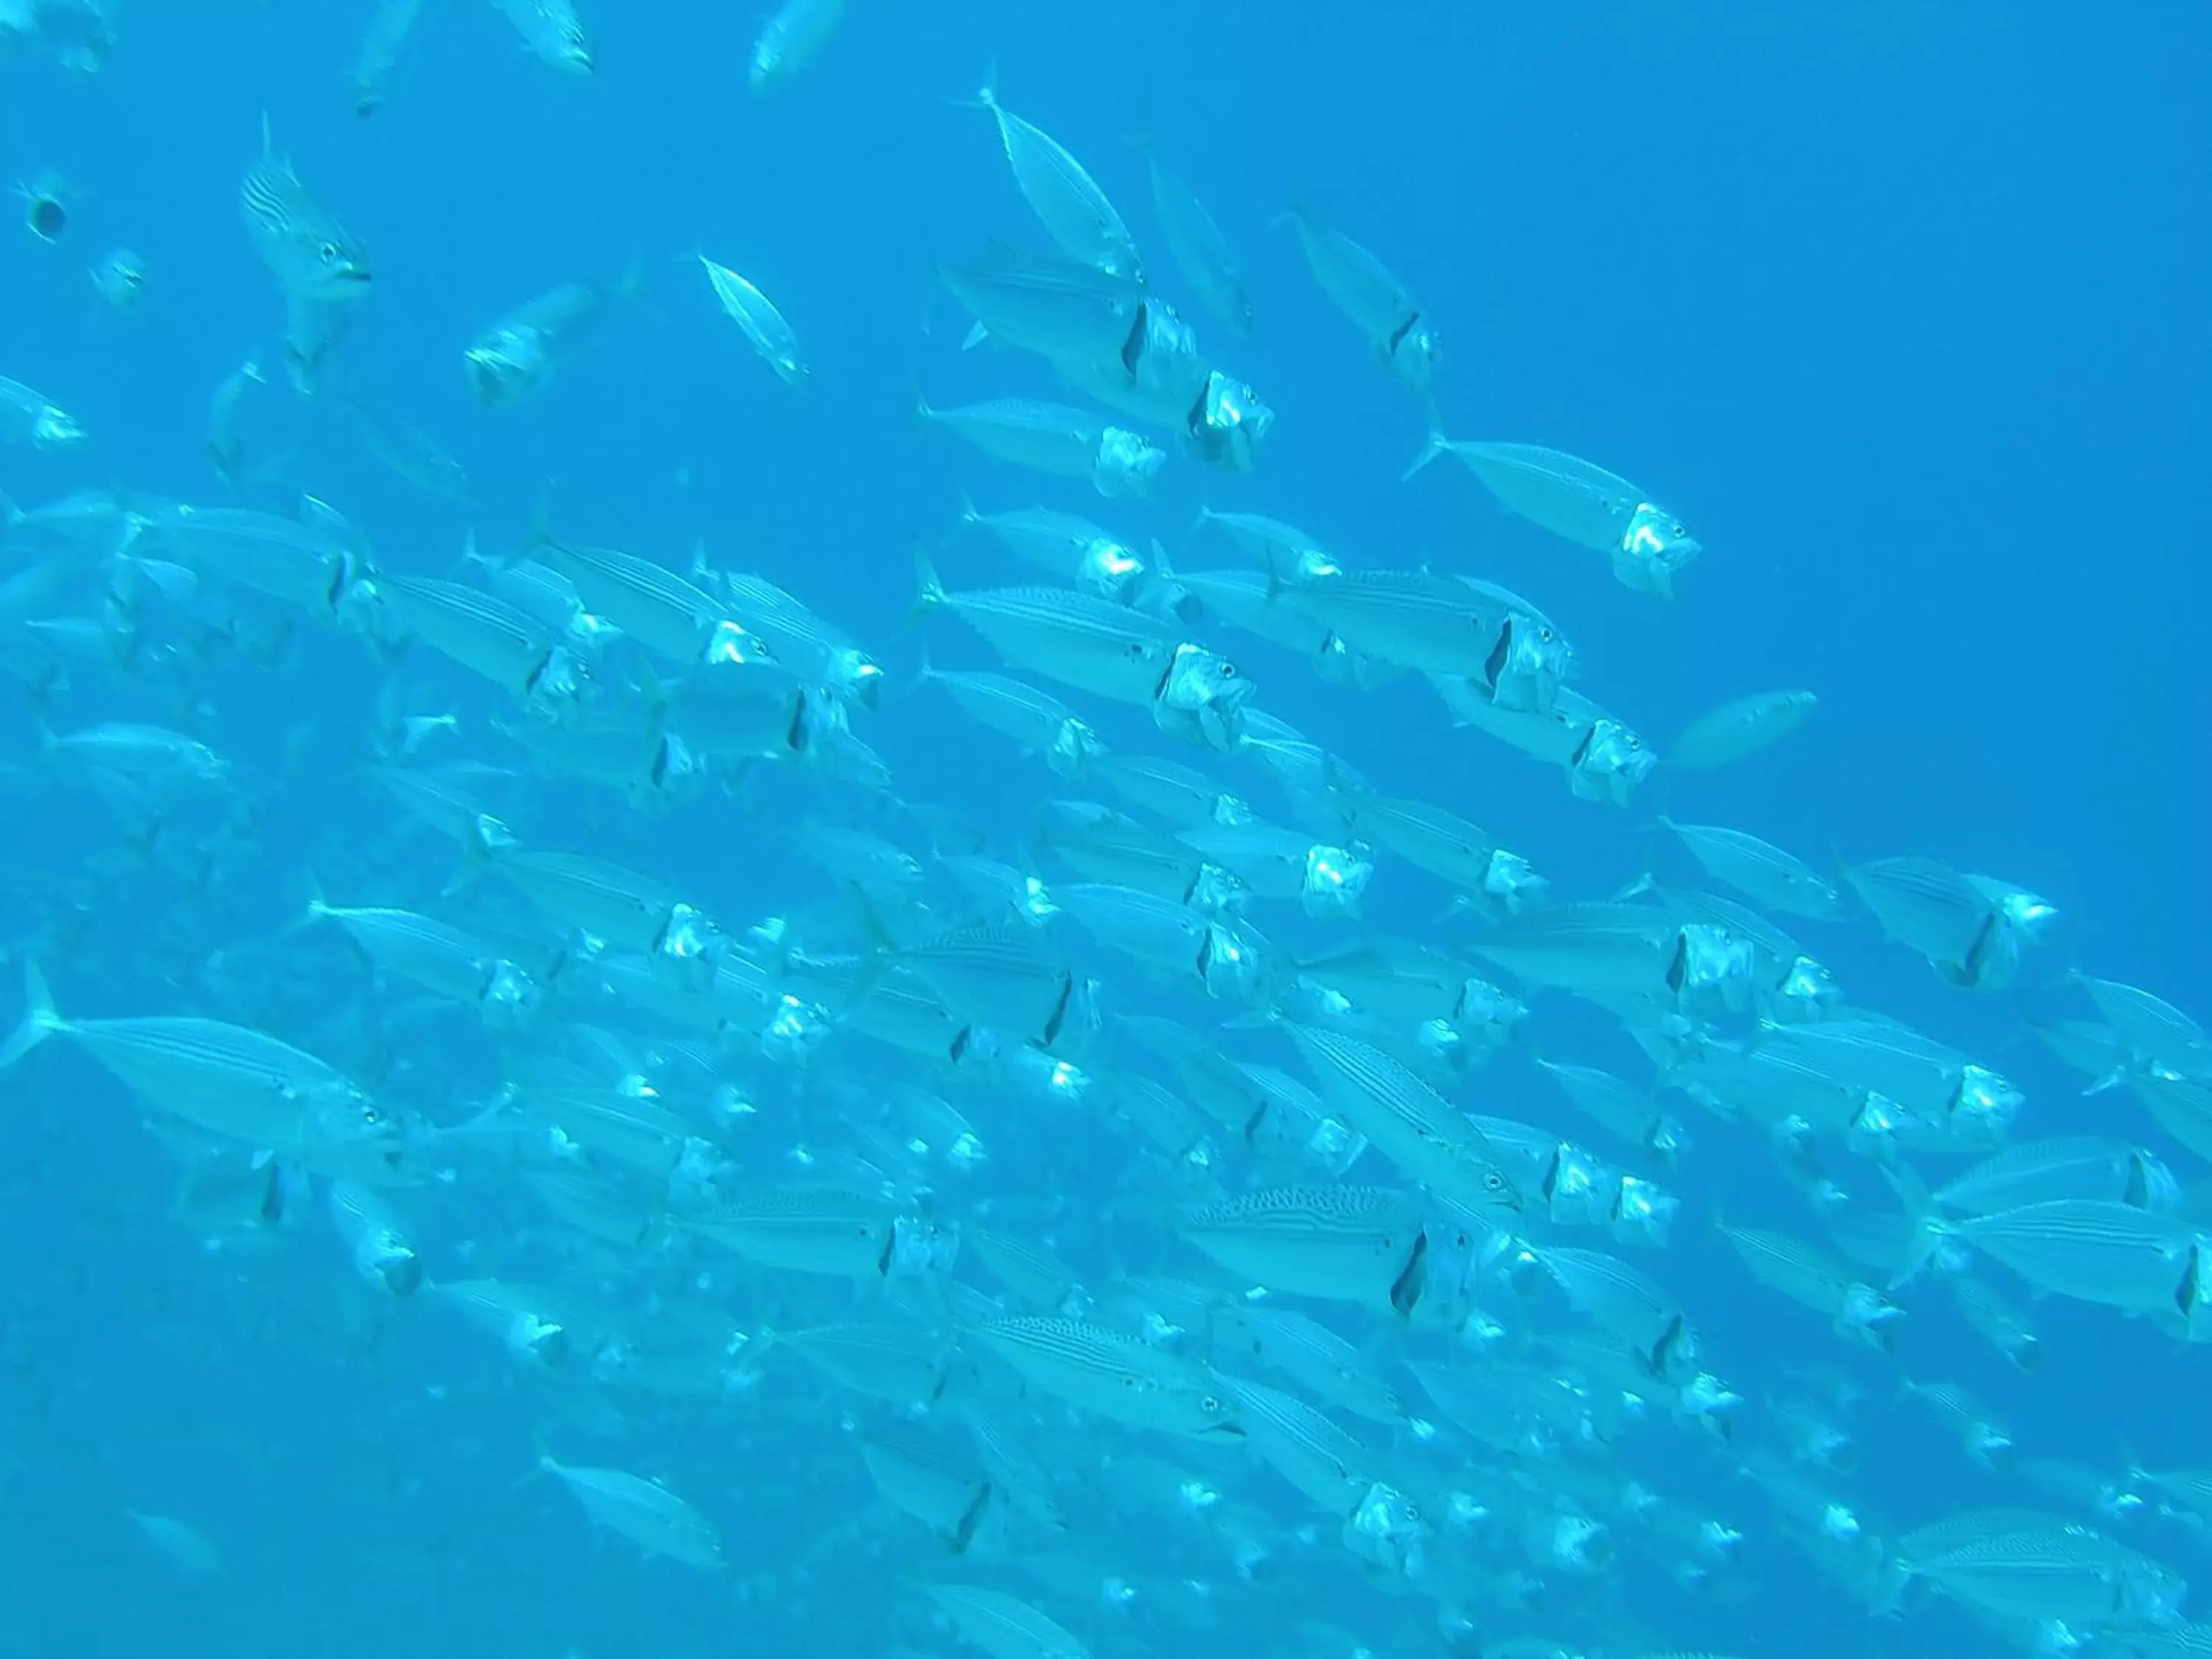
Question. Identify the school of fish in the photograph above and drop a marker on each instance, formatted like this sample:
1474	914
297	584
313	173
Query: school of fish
1103	1176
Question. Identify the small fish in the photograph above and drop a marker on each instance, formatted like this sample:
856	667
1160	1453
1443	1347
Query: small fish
1199	250
1039	722
45	197
309	251
1067	201
1759	870
230	1080
1582	502
790	39
1070	443
517	356
382	40
1062	309
119	277
1109	650
31	417
647	1513
1375	302
1002	1626
410	453
552	31
185	1547
1740	729
1100	1369
763	325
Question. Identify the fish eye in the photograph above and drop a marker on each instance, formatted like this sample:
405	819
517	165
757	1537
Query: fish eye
1493	1182
330	252
1229	671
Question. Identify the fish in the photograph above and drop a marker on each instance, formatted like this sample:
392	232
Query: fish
314	258
1739	729
791	38
231	1080
516	356
1057	438
1581	503
647	1513
763	326
1195	242
1395	326
29	416
1067	202
553	32
383	39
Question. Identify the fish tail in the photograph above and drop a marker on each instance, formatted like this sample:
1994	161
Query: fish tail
1432	447
41	1019
315	909
1929	1230
929	591
541	525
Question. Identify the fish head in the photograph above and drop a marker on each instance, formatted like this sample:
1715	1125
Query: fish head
1497	1016
1081	1021
1335	881
54	428
1074	747
542	1341
562	44
561	689
1527	665
1109	569
1209	685
1388	1529
351	1133
1609	763
1415	353
1513	885
677	771
1215	892
857	677
511	1000
1235	965
1712	971
1643	1212
1709	1403
506	363
1228	424
2150	1594
2026	916
1808	992
1653	547
384	1258
1046	1078
1126	465
731	644
920	1248
795	1029
1984	1105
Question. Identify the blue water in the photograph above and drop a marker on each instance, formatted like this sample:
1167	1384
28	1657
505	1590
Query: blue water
1905	305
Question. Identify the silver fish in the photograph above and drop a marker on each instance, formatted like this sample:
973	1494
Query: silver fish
309	251
1067	201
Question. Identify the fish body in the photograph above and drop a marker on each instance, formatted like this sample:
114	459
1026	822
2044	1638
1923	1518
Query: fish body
772	338
310	252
